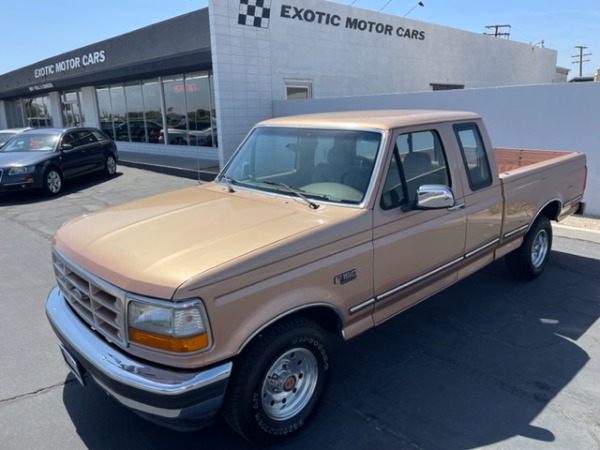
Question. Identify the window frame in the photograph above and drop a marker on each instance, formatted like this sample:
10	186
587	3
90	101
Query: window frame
398	161
304	85
472	126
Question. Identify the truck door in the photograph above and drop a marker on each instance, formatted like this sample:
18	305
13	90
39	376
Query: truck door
416	252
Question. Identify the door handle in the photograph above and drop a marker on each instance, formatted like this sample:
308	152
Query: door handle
456	207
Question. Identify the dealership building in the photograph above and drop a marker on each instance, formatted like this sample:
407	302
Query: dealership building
196	84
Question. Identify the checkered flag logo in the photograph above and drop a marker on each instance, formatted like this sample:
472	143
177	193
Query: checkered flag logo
255	13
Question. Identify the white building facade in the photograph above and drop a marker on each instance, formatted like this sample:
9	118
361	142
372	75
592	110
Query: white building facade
222	67
265	50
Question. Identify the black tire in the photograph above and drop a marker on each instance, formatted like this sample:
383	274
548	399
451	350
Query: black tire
110	165
530	259
53	181
278	381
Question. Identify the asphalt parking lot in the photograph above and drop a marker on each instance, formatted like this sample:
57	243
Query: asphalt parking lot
489	363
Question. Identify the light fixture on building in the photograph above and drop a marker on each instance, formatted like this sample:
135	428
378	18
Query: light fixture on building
410	10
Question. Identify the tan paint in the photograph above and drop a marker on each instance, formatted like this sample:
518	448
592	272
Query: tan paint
253	257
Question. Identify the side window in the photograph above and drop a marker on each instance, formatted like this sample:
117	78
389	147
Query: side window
98	136
393	190
68	139
474	155
418	159
83	137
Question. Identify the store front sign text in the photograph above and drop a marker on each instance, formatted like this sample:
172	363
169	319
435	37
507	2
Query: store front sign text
39	87
85	60
324	18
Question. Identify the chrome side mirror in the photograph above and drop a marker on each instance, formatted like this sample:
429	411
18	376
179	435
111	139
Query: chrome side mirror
434	196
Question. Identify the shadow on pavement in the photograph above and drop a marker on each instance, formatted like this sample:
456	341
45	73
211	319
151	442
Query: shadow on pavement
472	366
70	186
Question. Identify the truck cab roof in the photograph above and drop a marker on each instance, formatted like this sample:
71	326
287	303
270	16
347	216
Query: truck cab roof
378	119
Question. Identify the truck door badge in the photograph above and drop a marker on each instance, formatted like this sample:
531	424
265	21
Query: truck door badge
345	277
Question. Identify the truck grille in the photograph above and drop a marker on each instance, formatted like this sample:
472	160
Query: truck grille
98	303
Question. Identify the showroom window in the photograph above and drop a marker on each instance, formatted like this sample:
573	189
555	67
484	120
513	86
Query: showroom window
15	113
38	112
71	109
134	112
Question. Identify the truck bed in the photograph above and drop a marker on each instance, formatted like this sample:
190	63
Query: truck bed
532	179
511	159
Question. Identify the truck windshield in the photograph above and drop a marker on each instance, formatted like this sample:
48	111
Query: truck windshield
321	164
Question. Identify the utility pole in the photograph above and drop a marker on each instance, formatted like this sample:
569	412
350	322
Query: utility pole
580	57
497	32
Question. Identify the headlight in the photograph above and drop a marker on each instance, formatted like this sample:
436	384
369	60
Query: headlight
178	327
21	170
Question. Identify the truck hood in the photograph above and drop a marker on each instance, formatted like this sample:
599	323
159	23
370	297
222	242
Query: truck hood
154	245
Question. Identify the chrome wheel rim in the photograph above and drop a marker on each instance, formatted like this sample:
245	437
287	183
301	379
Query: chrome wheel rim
53	181
539	248
289	384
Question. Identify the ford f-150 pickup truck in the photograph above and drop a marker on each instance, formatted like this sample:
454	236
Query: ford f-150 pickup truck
225	297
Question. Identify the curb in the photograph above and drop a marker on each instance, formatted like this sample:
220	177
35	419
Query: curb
582	234
200	175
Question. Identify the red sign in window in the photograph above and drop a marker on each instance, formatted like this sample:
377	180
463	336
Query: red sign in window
188	87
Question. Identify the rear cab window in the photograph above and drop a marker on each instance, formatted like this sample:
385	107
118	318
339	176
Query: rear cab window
474	155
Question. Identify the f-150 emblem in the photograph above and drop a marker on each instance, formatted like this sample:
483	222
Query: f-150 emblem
345	277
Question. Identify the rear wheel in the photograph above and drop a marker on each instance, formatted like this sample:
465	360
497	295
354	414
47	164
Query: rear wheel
278	381
530	259
52	181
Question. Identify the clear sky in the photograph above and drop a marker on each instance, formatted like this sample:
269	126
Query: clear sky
46	29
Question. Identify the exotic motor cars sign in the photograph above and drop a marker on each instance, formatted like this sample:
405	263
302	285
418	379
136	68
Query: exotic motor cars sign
257	13
75	62
353	23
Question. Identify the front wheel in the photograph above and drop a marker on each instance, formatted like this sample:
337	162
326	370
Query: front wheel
52	181
110	166
530	259
278	381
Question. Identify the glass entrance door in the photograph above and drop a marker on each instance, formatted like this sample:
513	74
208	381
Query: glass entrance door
71	109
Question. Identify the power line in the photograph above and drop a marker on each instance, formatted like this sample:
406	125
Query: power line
383	7
410	10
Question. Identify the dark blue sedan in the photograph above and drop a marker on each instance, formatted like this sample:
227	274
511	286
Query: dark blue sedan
45	157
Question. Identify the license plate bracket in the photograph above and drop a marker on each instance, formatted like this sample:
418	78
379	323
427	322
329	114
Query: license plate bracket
76	369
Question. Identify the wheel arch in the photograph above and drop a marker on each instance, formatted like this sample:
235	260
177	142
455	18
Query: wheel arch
550	209
325	315
52	165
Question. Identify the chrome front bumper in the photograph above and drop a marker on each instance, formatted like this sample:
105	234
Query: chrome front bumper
179	399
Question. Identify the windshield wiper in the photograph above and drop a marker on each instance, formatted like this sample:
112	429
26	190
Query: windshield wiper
229	182
294	190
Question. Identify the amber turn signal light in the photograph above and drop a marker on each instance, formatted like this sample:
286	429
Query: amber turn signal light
169	343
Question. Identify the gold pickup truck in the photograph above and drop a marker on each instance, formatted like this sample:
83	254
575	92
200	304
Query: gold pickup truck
225	297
